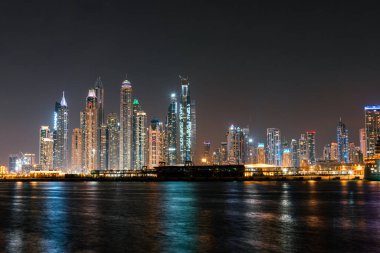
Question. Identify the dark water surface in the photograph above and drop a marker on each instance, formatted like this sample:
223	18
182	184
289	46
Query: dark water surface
190	217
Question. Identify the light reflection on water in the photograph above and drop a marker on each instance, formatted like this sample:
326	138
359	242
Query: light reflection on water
190	217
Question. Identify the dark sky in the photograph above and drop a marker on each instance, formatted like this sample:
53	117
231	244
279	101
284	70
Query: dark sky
295	65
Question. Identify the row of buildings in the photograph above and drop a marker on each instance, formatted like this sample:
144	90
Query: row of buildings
124	141
239	147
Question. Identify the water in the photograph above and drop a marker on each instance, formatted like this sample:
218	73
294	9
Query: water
190	217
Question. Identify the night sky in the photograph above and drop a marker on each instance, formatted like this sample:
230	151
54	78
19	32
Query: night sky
292	65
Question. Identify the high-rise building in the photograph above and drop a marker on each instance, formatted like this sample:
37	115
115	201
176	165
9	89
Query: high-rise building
44	133
172	132
352	152
14	164
235	145
327	152
334	151
186	123
60	135
206	156
125	139
251	152
302	150
372	128
294	153
260	153
99	93
46	153
310	144
102	147
286	158
273	146
90	132
139	140
156	143
76	150
363	143
342	140
113	141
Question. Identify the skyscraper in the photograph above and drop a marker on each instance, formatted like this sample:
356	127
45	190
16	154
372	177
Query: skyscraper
310	142
342	140
261	153
99	93
273	146
102	147
139	140
46	153
206	156
235	144
76	150
327	152
302	150
372	128
156	143
286	158
334	151
125	126
60	135
90	132
172	132
362	141
186	123
113	141
44	133
294	153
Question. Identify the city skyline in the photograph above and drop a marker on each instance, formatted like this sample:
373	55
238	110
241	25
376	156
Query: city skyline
266	63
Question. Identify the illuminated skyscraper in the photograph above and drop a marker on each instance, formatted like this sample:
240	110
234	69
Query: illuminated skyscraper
156	143
372	128
44	133
286	158
102	149
302	150
172	132
334	151
90	132
186	123
125	159
273	146
206	156
294	153
139	139
47	153
310	142
235	144
352	153
363	144
113	141
327	152
261	153
60	135
99	93
76	150
342	140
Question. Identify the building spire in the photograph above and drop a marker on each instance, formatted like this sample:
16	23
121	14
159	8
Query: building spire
98	83
63	100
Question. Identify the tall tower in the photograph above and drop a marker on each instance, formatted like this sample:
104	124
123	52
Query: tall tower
60	135
362	141
99	93
125	126
310	144
294	153
44	133
156	143
186	132
47	153
76	150
342	140
90	132
139	136
172	131
113	141
372	128
302	150
273	146
235	144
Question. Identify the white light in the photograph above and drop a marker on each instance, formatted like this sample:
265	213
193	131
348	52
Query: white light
172	95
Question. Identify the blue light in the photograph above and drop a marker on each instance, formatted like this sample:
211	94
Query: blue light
260	145
372	107
286	150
